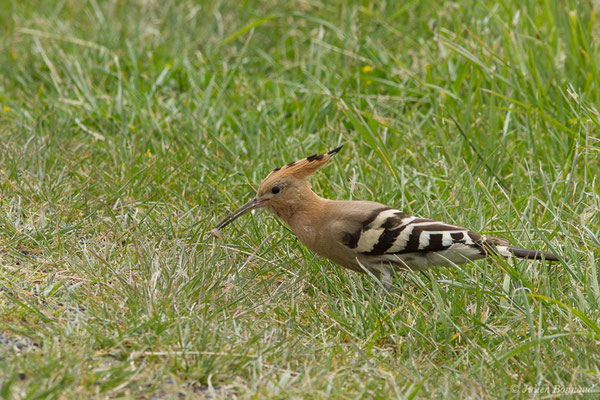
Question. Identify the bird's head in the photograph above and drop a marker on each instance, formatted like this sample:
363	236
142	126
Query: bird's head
283	189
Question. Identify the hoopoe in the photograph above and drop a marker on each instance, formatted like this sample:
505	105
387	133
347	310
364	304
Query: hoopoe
366	236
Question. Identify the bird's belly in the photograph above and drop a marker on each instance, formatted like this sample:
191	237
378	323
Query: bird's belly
335	253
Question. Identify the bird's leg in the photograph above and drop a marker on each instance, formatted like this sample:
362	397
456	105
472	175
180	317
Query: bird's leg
385	278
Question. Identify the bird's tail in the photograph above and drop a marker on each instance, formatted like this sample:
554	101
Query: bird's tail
507	251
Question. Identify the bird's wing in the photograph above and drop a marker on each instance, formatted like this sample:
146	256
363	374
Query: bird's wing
387	231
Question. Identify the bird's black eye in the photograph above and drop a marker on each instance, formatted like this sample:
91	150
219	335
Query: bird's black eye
275	189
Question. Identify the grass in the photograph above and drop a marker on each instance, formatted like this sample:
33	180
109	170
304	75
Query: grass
128	129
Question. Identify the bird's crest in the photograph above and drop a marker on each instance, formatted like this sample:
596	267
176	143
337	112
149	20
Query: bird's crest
303	167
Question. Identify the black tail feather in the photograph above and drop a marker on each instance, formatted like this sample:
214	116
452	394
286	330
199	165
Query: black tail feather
532	254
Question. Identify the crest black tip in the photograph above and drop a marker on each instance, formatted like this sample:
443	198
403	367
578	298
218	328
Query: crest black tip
314	157
335	151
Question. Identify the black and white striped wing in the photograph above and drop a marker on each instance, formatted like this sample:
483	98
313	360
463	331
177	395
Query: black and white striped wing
391	235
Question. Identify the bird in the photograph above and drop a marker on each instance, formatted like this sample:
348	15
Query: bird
367	236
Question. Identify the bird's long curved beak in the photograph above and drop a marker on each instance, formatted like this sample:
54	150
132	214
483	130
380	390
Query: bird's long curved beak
249	206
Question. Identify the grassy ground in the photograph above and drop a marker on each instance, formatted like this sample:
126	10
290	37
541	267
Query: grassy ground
127	129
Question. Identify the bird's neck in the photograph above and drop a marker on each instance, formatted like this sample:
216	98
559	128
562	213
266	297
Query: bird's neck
304	214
